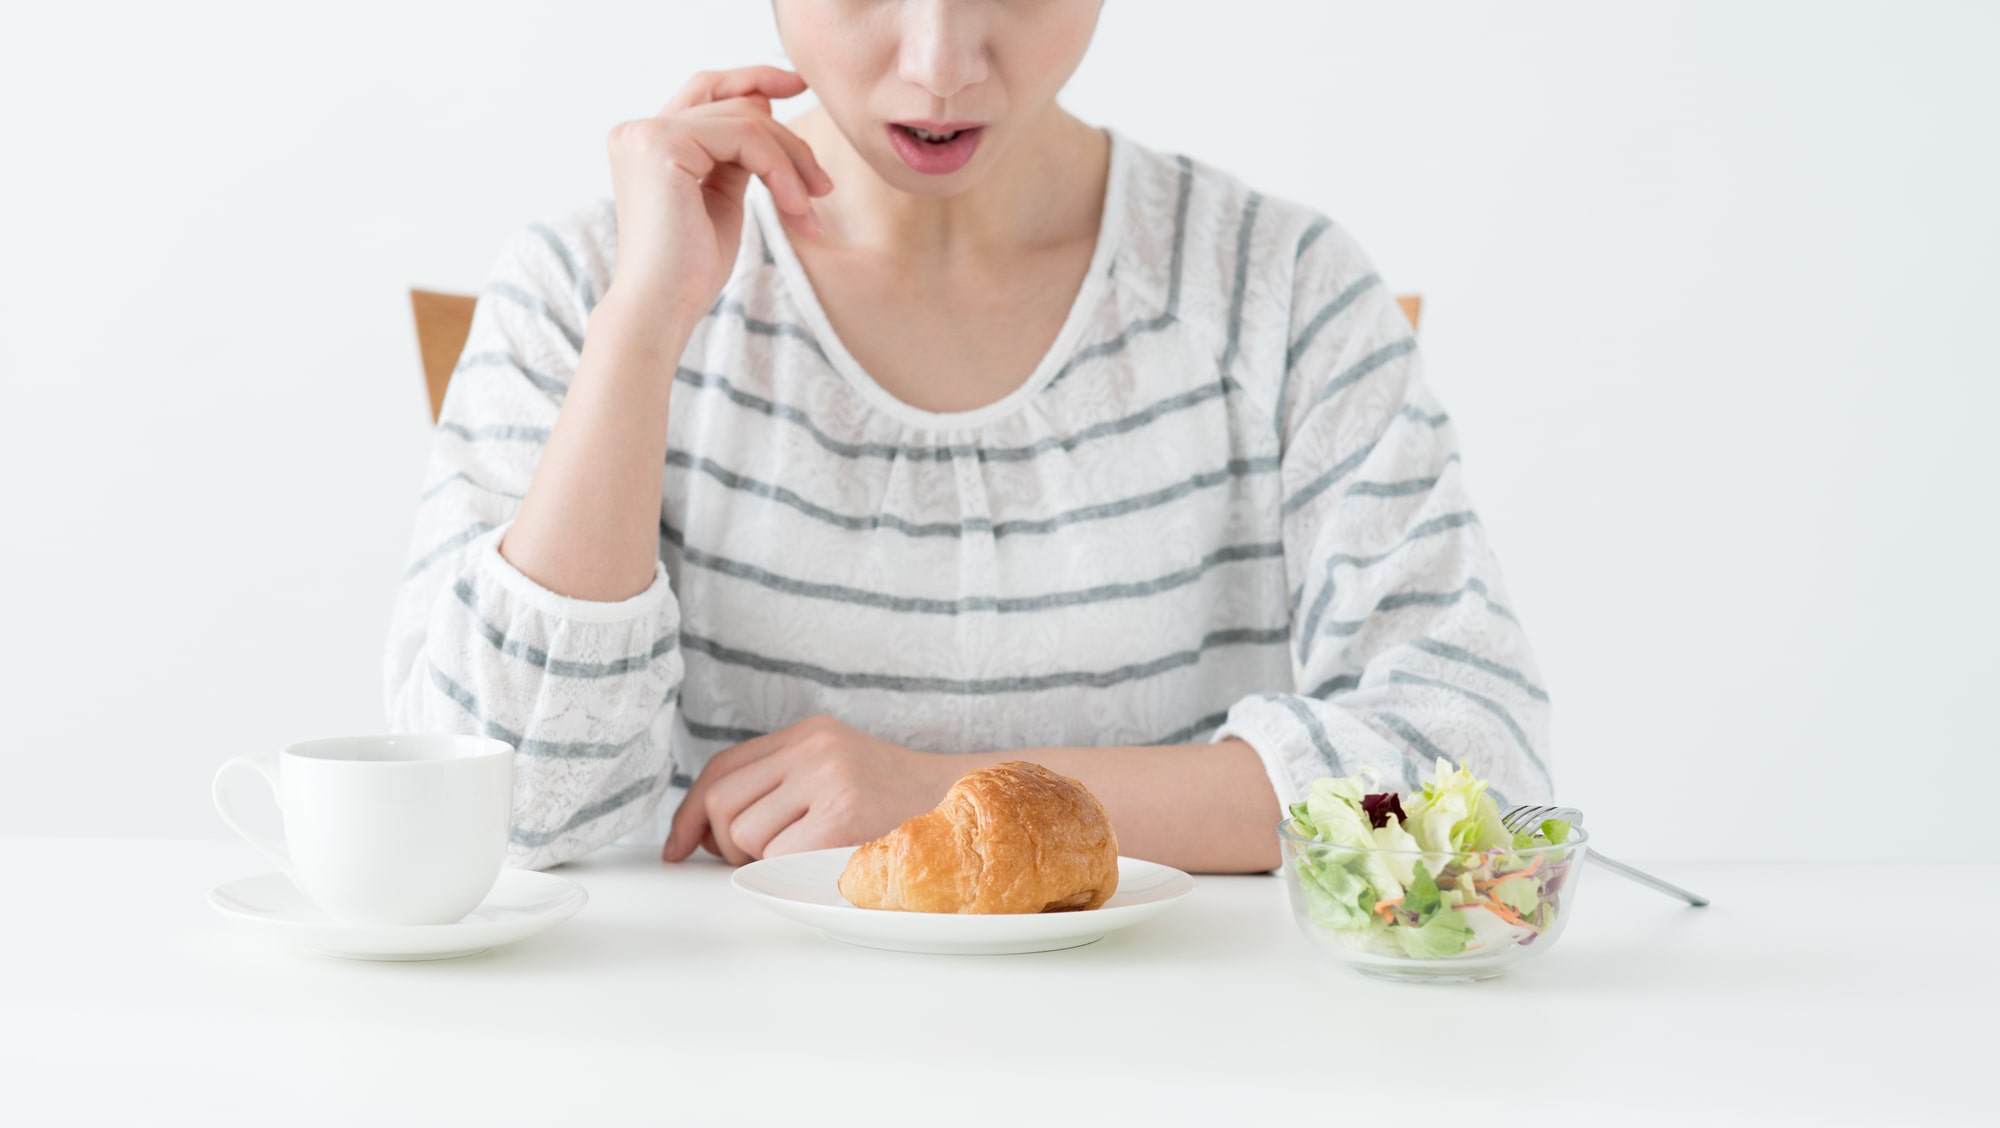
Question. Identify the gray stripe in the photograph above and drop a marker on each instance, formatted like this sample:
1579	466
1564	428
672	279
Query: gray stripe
1235	468
1426	753
1405	488
549	385
903	683
535	306
1166	316
1109	347
1411	411
496	431
1333	474
451	544
1408	487
1460	654
538	749
1398	600
1348	465
725	304
577	277
1338	683
707	731
535	656
1318	228
631	794
1364	366
434	489
1177	402
1429	528
1484	702
1321	742
1243	230
1313	329
839	593
1328	312
1186	733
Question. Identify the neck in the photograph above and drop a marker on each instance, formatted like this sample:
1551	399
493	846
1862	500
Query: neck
1011	207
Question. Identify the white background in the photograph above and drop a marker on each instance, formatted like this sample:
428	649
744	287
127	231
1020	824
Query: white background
1709	288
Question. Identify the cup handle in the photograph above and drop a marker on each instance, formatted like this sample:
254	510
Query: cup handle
271	850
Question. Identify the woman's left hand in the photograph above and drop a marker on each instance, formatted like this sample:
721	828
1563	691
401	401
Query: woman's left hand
815	784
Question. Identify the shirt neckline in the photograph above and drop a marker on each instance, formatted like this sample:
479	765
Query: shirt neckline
1110	229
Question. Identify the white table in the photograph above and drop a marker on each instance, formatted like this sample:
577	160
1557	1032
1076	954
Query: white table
671	998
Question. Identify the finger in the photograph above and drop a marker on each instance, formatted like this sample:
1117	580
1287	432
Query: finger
761	151
803	159
689	826
708	844
756	144
758	109
735	792
767	817
726	181
690	821
807	833
713	86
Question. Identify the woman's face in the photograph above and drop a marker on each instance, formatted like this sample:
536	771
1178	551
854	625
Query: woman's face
992	65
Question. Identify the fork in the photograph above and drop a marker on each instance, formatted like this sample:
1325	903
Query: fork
1520	818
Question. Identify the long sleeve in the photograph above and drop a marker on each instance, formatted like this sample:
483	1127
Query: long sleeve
1404	646
583	690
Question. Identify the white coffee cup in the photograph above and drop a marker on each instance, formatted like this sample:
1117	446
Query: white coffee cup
397	829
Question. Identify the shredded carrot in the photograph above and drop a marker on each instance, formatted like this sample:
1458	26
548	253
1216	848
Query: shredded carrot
1381	906
1505	913
1492	881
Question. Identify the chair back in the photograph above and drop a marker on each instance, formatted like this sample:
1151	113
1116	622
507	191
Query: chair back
443	322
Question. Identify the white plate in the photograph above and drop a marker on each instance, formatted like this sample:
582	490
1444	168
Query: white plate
522	903
805	888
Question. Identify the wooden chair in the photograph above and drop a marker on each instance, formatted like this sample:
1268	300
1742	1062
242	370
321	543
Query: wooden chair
443	320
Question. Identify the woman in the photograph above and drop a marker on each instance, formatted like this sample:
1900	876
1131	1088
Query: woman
1029	441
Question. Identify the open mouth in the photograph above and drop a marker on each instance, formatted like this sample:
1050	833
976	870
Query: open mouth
935	153
929	138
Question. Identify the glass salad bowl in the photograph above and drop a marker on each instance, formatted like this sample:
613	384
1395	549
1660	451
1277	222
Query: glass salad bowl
1456	916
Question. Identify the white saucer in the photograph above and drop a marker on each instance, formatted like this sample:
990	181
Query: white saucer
522	903
804	887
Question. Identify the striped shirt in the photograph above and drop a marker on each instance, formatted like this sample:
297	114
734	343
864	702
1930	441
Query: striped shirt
1224	504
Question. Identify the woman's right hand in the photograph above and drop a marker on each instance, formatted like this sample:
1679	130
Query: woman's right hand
679	176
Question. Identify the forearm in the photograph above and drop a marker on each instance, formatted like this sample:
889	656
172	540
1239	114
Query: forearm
1206	808
588	526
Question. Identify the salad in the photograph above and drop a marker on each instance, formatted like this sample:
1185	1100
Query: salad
1430	875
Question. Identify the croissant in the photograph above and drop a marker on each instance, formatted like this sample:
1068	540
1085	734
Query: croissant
1010	838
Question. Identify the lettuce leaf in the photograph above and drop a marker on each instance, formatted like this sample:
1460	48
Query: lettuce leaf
1402	858
1422	898
1444	934
1520	894
1334	814
1453	814
1336	896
